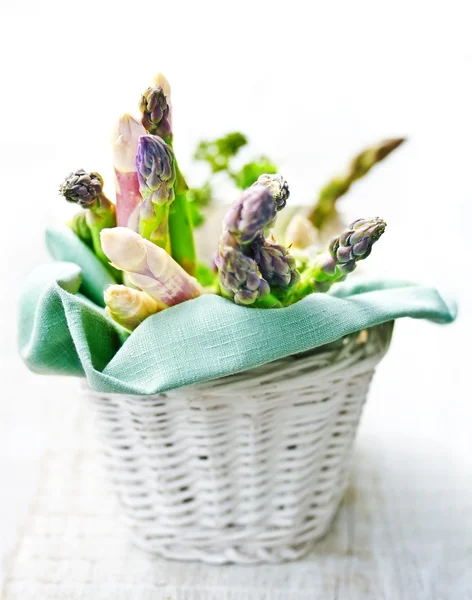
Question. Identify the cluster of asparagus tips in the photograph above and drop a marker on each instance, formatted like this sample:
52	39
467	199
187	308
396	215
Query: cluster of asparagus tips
86	190
334	265
248	264
325	207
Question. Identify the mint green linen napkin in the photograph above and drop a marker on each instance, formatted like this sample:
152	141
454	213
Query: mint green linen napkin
63	328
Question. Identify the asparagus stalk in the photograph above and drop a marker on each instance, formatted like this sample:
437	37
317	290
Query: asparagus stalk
180	227
149	267
79	226
334	265
125	141
86	190
156	109
325	207
155	166
129	307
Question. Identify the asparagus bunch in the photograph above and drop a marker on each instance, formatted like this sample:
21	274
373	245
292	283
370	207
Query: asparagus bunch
156	110
159	261
325	207
86	190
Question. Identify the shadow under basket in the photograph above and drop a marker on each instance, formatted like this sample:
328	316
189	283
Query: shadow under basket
247	468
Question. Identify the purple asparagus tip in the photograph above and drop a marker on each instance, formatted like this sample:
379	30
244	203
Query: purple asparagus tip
156	112
155	167
82	188
239	277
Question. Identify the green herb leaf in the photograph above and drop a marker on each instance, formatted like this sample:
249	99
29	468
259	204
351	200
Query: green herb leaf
217	153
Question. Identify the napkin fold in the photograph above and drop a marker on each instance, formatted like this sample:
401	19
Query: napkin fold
63	328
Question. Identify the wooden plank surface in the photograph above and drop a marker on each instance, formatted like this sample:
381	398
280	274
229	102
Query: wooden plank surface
404	530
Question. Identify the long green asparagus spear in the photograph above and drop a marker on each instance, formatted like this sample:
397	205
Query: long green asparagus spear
156	112
325	206
79	226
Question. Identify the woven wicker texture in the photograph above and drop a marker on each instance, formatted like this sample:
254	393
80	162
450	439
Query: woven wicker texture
248	468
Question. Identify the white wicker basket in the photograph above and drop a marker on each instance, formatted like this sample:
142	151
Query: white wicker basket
248	468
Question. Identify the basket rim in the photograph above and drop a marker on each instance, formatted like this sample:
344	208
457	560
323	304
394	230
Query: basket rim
334	352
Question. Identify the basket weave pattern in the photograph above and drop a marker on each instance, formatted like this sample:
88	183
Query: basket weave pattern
247	468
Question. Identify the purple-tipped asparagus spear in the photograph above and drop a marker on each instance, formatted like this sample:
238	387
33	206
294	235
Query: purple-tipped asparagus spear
125	141
256	209
155	166
253	212
334	265
277	186
156	112
86	190
156	108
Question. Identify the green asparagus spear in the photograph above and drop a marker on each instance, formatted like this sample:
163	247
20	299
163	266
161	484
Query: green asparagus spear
325	207
334	265
155	166
79	226
156	111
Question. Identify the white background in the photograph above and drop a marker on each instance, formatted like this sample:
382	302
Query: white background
310	83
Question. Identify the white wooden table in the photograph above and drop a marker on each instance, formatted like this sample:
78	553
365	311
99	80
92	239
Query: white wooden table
404	530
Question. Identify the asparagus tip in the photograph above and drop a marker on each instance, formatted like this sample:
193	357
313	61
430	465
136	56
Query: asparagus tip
388	146
82	188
